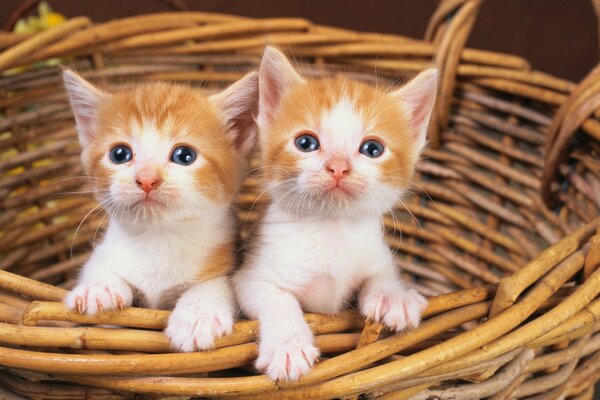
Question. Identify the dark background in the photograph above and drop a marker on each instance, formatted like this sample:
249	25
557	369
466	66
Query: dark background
556	36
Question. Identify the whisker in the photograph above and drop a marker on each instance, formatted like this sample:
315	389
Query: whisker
79	227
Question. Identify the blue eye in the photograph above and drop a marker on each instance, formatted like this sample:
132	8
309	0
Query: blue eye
307	143
371	148
120	154
183	155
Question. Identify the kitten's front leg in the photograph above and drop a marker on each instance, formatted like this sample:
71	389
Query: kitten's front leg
286	350
202	314
99	289
385	298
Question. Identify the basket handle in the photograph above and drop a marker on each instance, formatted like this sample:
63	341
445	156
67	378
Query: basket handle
449	29
579	106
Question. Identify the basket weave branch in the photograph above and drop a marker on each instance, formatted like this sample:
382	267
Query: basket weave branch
513	284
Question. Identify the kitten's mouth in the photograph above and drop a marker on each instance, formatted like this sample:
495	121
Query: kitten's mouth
340	188
150	201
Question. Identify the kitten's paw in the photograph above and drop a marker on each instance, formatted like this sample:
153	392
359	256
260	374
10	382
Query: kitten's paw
398	311
287	360
192	328
98	297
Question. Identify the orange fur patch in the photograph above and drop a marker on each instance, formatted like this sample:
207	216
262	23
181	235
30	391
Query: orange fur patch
303	105
218	263
180	112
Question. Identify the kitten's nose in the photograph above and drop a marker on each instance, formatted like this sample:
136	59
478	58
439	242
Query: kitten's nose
338	168
148	184
148	180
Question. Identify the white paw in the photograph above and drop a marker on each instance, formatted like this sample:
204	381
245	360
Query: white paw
191	328
287	360
97	297
398	311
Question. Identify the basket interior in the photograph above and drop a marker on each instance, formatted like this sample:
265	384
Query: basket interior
474	214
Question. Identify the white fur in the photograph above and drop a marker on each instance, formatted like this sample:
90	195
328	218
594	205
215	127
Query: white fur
314	256
315	250
203	313
315	264
161	247
154	259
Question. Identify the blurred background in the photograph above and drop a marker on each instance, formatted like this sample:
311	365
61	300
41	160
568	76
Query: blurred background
557	36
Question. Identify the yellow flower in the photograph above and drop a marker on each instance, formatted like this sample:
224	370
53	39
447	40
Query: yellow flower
46	19
54	19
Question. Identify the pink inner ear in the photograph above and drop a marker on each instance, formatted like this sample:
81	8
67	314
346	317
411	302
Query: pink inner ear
85	99
239	104
421	110
276	75
86	123
418	98
270	92
243	127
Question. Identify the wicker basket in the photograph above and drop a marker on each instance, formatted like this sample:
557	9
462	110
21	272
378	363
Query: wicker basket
513	313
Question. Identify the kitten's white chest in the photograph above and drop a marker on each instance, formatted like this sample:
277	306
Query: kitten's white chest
331	259
340	248
156	261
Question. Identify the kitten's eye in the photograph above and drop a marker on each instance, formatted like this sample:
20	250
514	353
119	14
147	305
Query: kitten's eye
371	148
120	154
183	155
307	143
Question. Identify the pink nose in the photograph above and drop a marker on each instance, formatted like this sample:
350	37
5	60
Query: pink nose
148	180
338	168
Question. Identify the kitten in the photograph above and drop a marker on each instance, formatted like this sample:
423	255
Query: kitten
165	162
337	154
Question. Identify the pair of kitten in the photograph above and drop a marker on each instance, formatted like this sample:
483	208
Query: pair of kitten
166	163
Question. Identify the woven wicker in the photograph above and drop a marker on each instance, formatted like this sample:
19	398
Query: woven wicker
513	312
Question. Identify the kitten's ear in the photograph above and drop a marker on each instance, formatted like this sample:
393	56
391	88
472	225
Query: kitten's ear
276	74
418	98
239	103
85	99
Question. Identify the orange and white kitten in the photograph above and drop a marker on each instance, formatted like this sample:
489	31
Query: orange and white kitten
165	162
337	154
